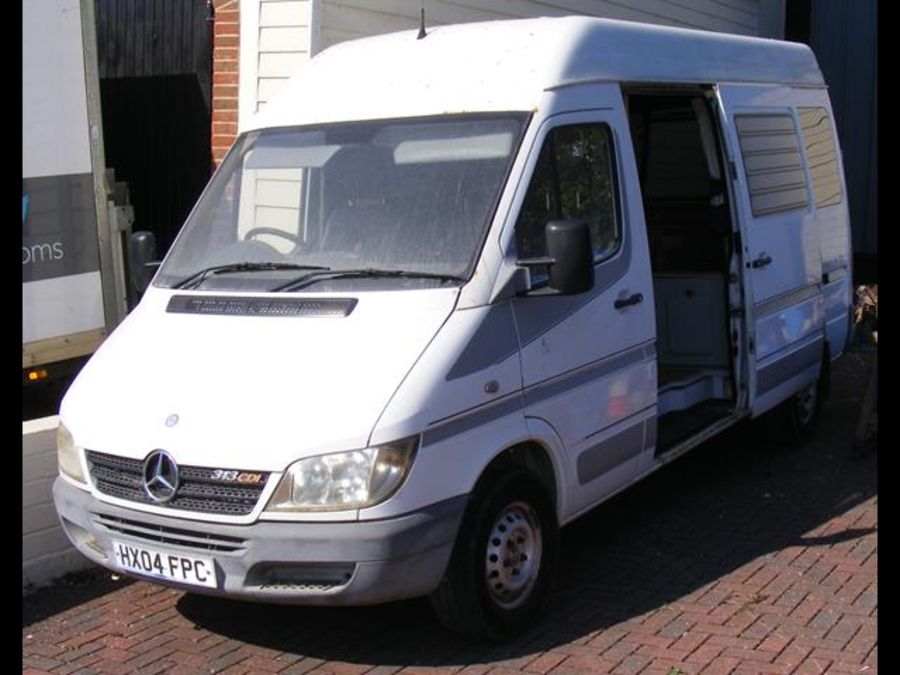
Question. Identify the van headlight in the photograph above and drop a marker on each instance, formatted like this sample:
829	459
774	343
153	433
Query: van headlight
344	480
68	455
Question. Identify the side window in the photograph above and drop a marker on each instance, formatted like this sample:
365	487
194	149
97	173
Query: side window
821	156
772	162
573	178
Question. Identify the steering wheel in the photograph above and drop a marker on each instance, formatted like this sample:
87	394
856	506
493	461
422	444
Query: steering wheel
294	239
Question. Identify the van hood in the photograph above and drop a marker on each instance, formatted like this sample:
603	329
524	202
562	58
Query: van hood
249	392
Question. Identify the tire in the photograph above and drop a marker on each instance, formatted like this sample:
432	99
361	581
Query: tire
503	561
797	419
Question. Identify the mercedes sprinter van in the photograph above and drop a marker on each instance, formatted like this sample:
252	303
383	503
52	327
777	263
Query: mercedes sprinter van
445	295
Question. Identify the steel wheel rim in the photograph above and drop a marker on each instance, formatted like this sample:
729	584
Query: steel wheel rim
513	557
806	404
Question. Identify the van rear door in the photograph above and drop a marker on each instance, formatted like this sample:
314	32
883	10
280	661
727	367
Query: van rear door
781	242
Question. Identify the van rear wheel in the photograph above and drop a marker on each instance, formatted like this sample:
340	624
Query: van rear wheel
501	567
797	418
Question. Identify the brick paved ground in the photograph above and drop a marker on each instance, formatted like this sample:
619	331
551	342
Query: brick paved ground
739	557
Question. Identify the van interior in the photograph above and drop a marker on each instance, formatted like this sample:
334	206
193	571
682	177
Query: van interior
692	243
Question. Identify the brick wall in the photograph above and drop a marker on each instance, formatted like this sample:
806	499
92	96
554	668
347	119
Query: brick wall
225	76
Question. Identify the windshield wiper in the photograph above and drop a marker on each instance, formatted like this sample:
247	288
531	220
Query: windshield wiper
365	273
197	278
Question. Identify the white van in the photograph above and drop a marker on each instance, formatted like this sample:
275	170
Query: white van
447	294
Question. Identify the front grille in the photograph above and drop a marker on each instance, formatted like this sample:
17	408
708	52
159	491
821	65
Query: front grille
160	534
299	577
198	491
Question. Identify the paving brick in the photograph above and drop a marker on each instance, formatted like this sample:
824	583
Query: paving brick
631	665
544	663
704	654
721	665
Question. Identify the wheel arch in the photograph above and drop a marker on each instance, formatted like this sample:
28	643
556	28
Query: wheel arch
531	455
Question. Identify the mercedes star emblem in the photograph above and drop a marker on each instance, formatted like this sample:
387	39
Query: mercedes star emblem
160	476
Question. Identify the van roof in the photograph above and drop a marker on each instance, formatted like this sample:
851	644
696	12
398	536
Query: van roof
508	65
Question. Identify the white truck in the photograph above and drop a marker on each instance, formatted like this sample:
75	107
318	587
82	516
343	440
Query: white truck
74	288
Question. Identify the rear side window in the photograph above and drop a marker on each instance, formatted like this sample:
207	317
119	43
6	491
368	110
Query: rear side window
770	148
573	178
821	156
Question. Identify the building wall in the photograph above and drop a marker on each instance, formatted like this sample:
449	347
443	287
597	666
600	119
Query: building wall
46	553
844	36
350	19
276	41
278	36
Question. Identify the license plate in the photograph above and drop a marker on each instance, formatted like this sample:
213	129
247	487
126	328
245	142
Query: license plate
194	569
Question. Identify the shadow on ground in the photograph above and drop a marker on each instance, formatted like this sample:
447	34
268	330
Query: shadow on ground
68	592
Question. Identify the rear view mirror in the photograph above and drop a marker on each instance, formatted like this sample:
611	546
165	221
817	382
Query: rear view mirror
570	257
569	245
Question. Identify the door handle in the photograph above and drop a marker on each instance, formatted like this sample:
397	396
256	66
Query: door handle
761	261
630	300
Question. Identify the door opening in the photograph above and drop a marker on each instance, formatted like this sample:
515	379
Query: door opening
692	245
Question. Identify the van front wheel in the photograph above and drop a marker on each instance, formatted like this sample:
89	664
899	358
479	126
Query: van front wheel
503	561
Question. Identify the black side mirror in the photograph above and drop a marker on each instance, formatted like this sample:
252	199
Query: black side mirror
142	259
570	258
569	245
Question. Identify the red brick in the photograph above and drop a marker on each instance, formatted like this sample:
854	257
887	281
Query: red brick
39	664
225	116
812	667
774	643
835	655
632	664
225	78
729	641
659	652
226	41
748	655
605	639
225	104
793	654
690	641
225	91
593	664
224	129
704	654
84	638
651	640
191	659
225	66
262	664
620	651
721	665
545	662
807	609
225	27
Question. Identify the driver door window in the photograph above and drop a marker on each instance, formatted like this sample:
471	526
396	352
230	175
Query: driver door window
573	178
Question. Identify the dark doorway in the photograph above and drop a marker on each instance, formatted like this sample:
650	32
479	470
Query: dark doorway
155	61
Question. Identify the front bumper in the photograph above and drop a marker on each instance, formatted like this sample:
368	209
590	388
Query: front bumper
315	563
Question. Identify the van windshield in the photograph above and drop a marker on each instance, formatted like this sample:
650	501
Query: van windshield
384	202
